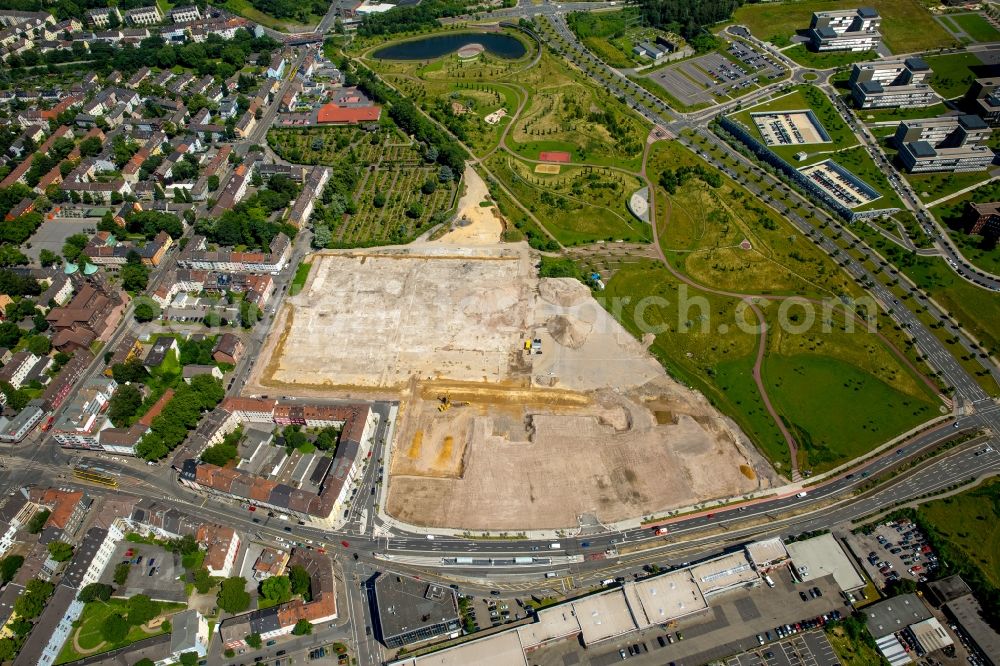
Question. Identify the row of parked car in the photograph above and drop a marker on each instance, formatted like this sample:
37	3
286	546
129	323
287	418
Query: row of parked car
782	631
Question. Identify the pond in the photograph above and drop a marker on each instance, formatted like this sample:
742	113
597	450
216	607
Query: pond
428	48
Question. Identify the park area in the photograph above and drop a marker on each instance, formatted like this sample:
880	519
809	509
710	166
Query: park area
106	625
832	386
907	25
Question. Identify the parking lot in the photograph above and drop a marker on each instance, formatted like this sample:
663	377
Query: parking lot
489	612
153	571
892	551
730	626
809	649
700	79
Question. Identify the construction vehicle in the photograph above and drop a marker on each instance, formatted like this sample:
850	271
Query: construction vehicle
445	403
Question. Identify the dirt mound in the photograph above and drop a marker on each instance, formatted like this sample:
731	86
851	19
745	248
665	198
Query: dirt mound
566	292
568	331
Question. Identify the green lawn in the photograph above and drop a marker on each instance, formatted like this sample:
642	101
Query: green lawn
906	24
800	54
952	75
952	213
93	617
837	411
884	115
968	521
933	186
977	27
247	10
299	281
976	308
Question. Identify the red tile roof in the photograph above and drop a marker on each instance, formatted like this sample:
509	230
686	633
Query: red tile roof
331	113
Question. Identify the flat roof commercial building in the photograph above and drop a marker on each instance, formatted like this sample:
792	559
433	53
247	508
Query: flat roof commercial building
413	611
967	614
886	84
847	30
896	614
823	555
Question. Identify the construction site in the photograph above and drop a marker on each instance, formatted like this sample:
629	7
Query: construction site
523	403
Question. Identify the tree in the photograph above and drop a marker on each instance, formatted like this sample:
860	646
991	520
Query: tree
299	578
145	661
114	629
38	521
39	345
95	592
60	551
145	312
233	597
124	404
445	174
254	641
48	258
203	581
9	566
213	183
277	589
141	609
121	573
429	186
302	628
31	603
130	371
189	659
219	454
73	246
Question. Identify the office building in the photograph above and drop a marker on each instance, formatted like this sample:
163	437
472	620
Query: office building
847	30
948	143
886	84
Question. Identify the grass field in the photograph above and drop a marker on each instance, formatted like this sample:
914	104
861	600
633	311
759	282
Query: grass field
92	619
977	27
952	74
580	205
852	652
933	186
718	363
852	414
247	10
299	281
883	115
906	24
800	54
965	520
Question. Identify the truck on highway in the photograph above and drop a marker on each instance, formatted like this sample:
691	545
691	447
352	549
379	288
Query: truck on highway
555	546
660	531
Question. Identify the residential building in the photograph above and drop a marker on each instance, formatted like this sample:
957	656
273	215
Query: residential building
302	207
846	30
16	429
84	417
189	372
221	547
197	256
228	349
270	562
984	98
158	352
144	15
280	620
17	370
101	16
276	69
884	84
185	14
948	143
189	633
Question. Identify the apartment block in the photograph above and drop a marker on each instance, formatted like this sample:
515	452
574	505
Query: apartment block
886	84
846	30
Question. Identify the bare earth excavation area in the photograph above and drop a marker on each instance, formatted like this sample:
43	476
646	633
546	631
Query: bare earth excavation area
524	404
